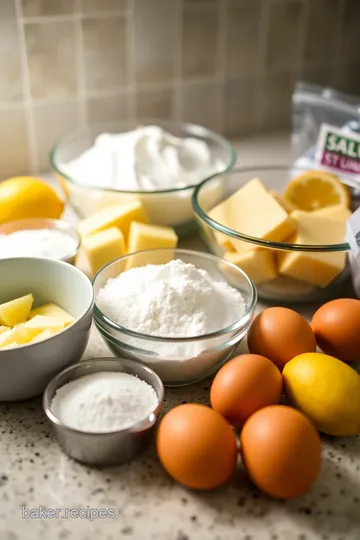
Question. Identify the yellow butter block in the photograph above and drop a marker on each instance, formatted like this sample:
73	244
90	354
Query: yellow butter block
143	237
253	211
103	247
119	216
336	211
259	264
42	322
52	310
12	345
223	241
43	335
318	269
16	311
22	334
6	338
4	329
286	205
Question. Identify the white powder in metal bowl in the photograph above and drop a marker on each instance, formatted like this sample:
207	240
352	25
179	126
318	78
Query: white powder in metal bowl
172	300
104	402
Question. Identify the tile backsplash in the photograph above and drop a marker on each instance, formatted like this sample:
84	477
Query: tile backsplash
227	64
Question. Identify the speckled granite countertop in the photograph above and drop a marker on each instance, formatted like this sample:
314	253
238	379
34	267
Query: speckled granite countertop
34	473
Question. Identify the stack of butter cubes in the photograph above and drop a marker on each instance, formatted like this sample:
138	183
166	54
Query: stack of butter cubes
22	325
118	230
257	212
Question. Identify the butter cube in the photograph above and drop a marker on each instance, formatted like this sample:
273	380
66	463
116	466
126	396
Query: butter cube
103	247
318	269
16	311
258	264
42	322
4	329
336	211
286	205
6	338
52	310
143	236
253	211
23	334
119	216
43	335
12	345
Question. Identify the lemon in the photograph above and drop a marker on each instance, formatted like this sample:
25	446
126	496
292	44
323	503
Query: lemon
326	390
26	197
316	189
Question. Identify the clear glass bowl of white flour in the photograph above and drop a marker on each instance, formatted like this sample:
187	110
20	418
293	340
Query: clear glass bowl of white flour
182	314
157	162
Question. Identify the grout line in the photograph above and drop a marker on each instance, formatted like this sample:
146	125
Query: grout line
115	91
177	112
128	89
262	40
337	61
131	106
221	61
302	38
80	69
25	75
105	14
70	16
201	7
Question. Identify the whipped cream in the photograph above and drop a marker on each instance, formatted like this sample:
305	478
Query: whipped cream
145	159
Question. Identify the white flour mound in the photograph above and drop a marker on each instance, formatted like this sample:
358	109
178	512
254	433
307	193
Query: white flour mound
172	300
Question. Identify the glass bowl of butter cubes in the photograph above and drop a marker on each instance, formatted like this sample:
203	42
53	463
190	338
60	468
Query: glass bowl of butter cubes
285	227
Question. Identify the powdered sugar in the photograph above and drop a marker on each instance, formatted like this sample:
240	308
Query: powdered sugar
47	243
172	300
104	402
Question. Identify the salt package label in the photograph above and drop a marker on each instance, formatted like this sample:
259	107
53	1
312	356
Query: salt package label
339	151
353	238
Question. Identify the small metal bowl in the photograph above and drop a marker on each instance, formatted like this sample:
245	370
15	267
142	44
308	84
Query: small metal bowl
110	448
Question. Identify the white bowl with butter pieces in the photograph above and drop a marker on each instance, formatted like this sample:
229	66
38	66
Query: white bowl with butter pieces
45	319
284	227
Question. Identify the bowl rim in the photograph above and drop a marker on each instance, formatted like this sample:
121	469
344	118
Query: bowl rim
89	309
101	319
195	130
282	246
97	362
55	224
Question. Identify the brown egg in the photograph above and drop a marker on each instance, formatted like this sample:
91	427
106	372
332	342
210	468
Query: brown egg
337	329
196	446
244	385
280	334
281	451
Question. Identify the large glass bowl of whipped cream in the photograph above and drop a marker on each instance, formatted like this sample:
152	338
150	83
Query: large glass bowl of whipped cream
155	161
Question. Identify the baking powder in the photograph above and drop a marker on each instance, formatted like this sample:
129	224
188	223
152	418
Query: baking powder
47	243
104	402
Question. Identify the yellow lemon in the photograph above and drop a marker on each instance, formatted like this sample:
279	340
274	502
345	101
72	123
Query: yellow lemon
26	197
316	189
326	390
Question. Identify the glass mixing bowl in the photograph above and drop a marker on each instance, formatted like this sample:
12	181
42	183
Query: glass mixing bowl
282	288
164	207
177	361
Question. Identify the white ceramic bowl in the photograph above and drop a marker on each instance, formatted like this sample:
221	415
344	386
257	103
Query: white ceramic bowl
26	370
